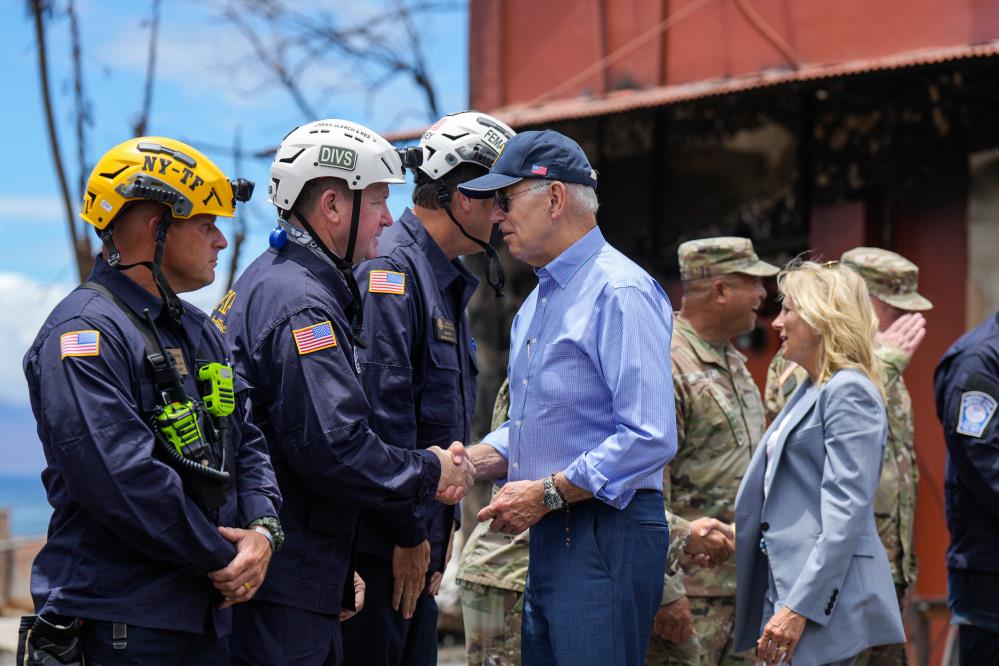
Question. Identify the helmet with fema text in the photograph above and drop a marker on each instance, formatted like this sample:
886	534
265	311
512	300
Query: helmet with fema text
465	137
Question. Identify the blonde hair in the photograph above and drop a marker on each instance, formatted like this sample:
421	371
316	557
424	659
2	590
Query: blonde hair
833	300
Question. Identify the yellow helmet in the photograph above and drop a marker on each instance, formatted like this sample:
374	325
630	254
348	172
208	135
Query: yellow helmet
159	169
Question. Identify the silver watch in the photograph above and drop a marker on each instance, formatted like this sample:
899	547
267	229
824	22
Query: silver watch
553	500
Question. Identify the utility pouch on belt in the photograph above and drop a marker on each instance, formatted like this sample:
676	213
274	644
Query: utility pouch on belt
49	640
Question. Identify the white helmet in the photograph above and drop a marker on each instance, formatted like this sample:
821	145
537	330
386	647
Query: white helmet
325	148
468	136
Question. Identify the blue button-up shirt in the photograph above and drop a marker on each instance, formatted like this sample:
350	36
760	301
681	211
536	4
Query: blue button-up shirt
418	372
591	393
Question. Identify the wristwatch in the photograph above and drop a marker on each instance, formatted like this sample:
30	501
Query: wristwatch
553	498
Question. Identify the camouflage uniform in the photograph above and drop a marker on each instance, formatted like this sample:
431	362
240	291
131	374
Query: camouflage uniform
720	420
492	573
892	279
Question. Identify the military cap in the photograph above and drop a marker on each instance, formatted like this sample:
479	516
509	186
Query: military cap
711	257
889	276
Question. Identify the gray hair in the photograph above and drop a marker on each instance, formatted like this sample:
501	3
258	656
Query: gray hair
582	198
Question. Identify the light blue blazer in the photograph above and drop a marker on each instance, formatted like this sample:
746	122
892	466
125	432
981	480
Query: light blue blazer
817	523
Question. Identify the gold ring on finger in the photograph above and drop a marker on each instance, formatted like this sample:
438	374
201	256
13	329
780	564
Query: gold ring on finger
247	586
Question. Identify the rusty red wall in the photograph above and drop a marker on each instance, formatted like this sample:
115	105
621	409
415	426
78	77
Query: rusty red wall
520	50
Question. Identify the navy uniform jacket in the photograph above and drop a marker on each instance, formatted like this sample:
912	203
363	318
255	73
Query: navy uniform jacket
125	543
419	370
971	367
291	340
967	395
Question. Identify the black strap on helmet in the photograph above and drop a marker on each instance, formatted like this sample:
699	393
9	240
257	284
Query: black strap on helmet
354	311
175	308
494	268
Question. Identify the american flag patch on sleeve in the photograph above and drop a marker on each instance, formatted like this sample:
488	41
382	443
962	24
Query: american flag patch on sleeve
386	282
80	343
315	337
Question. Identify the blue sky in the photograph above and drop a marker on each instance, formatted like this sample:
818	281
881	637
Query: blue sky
207	87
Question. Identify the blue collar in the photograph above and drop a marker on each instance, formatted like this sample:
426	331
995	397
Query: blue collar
319	266
563	267
446	270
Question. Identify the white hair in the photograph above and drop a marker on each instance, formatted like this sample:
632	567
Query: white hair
582	198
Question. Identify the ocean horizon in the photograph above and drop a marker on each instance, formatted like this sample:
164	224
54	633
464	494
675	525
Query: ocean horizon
24	495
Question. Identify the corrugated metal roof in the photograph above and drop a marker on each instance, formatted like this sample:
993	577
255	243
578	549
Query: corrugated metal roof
629	100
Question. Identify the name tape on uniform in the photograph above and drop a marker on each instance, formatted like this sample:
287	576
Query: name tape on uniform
977	409
386	282
80	343
313	338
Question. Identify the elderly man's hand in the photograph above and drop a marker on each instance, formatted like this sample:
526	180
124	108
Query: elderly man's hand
516	507
711	542
457	473
244	575
780	637
409	571
673	621
906	332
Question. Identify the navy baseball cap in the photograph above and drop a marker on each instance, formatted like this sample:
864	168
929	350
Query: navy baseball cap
545	154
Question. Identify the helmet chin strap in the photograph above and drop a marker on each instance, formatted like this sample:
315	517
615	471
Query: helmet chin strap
494	268
175	308
354	311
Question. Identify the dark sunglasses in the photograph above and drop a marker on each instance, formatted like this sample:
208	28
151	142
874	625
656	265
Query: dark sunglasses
503	200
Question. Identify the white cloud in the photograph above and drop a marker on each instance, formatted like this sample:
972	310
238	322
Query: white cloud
29	302
31	207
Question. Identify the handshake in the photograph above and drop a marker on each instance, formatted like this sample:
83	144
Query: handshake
457	472
711	542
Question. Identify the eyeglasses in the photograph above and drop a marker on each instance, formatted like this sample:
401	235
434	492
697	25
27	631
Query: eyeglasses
503	200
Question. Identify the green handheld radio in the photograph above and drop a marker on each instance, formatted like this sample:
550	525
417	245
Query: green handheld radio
218	382
177	418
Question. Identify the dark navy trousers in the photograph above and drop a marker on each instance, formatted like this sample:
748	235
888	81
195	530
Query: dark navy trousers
267	634
138	646
378	635
594	584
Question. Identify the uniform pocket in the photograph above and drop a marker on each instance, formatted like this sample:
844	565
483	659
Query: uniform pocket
439	404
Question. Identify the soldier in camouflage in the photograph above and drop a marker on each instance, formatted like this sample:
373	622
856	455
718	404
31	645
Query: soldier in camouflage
720	420
492	574
892	282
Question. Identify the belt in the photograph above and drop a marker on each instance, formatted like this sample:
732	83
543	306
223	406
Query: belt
594	500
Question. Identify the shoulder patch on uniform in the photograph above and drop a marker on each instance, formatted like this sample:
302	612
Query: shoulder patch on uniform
80	343
977	409
315	337
386	282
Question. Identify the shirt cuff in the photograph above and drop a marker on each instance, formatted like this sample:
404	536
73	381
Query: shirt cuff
253	506
407	527
218	558
673	588
431	477
499	439
583	475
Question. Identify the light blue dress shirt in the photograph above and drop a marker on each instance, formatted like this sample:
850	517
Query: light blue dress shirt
591	393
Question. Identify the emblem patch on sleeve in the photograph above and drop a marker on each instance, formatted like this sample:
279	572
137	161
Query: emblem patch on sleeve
977	409
315	337
386	282
80	343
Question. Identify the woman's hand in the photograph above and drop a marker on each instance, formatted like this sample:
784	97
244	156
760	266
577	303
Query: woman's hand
780	637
